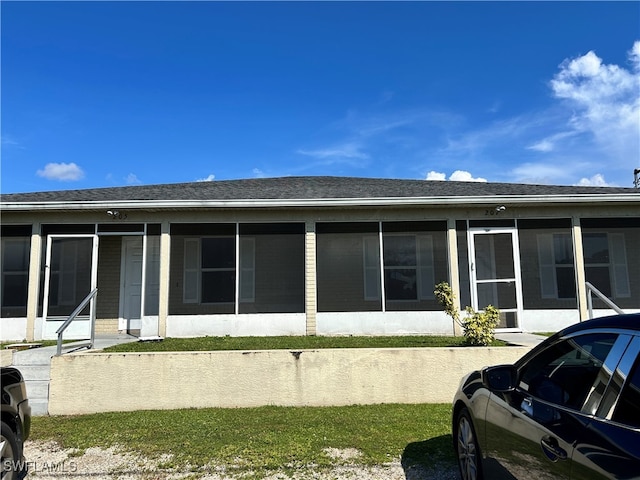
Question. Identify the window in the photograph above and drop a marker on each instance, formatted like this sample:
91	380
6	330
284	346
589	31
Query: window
408	267
371	268
557	275
243	268
356	273
565	373
605	261
210	270
15	272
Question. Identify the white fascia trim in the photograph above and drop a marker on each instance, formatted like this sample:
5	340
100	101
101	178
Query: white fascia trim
325	202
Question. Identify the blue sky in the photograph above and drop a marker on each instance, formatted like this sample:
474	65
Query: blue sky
102	94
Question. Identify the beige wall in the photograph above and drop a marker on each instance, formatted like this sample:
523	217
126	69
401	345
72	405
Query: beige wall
101	382
6	357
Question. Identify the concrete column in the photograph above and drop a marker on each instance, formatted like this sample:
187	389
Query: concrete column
578	260
35	256
311	294
165	261
454	272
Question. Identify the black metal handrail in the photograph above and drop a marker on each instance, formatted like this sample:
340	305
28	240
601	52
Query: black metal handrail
72	317
593	290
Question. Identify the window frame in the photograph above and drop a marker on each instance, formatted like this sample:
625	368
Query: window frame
25	244
548	264
617	263
193	270
424	267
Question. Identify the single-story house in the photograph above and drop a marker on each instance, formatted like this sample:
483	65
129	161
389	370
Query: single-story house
313	256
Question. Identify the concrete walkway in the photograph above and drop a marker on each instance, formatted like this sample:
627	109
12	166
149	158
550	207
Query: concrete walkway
35	366
523	339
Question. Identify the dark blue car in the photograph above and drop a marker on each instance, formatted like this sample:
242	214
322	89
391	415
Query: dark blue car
569	409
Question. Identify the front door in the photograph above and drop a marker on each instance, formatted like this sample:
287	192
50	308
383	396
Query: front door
495	274
131	285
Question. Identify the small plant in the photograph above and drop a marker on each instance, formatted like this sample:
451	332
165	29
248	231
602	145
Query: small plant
477	327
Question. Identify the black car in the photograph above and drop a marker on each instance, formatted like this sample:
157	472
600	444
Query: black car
570	408
16	423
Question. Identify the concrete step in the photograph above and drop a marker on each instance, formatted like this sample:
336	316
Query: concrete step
37	389
35	372
34	356
39	408
35	366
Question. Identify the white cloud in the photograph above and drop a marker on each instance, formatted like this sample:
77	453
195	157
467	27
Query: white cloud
457	176
7	140
209	178
258	173
544	173
132	179
545	145
604	101
551	143
437	176
595	123
346	151
596	181
462	176
64	172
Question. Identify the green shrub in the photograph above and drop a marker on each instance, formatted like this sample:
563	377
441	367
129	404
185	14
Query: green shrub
477	327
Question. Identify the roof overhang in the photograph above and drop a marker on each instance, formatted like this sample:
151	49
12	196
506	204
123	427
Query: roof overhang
432	202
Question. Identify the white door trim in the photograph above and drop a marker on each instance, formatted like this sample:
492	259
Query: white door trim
513	231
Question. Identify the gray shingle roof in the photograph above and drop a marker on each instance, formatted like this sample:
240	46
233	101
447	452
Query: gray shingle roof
305	188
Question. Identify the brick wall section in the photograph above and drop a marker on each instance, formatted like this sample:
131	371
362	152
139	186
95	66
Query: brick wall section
310	283
107	325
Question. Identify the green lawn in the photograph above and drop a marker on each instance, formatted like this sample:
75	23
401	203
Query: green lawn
265	439
288	342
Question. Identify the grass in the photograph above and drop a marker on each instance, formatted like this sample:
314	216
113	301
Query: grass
288	342
265	439
44	343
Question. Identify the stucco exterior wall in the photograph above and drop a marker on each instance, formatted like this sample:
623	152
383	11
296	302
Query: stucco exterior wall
6	358
100	382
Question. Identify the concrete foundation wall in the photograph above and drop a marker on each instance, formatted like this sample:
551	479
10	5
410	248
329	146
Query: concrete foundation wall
6	357
100	382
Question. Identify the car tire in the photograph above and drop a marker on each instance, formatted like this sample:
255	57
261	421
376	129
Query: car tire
467	448
10	466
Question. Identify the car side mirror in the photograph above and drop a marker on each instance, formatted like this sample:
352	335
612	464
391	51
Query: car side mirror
501	378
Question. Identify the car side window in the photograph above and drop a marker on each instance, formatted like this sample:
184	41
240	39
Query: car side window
628	408
565	373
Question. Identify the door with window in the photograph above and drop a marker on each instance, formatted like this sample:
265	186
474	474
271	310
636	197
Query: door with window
495	274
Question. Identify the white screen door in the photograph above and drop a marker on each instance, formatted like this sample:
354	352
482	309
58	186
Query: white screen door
495	274
70	275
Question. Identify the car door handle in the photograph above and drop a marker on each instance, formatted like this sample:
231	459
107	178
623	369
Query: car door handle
552	450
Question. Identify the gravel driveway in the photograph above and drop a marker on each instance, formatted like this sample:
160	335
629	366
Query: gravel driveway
47	460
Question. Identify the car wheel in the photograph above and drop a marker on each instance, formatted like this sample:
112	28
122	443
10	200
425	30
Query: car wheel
10	453
468	451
